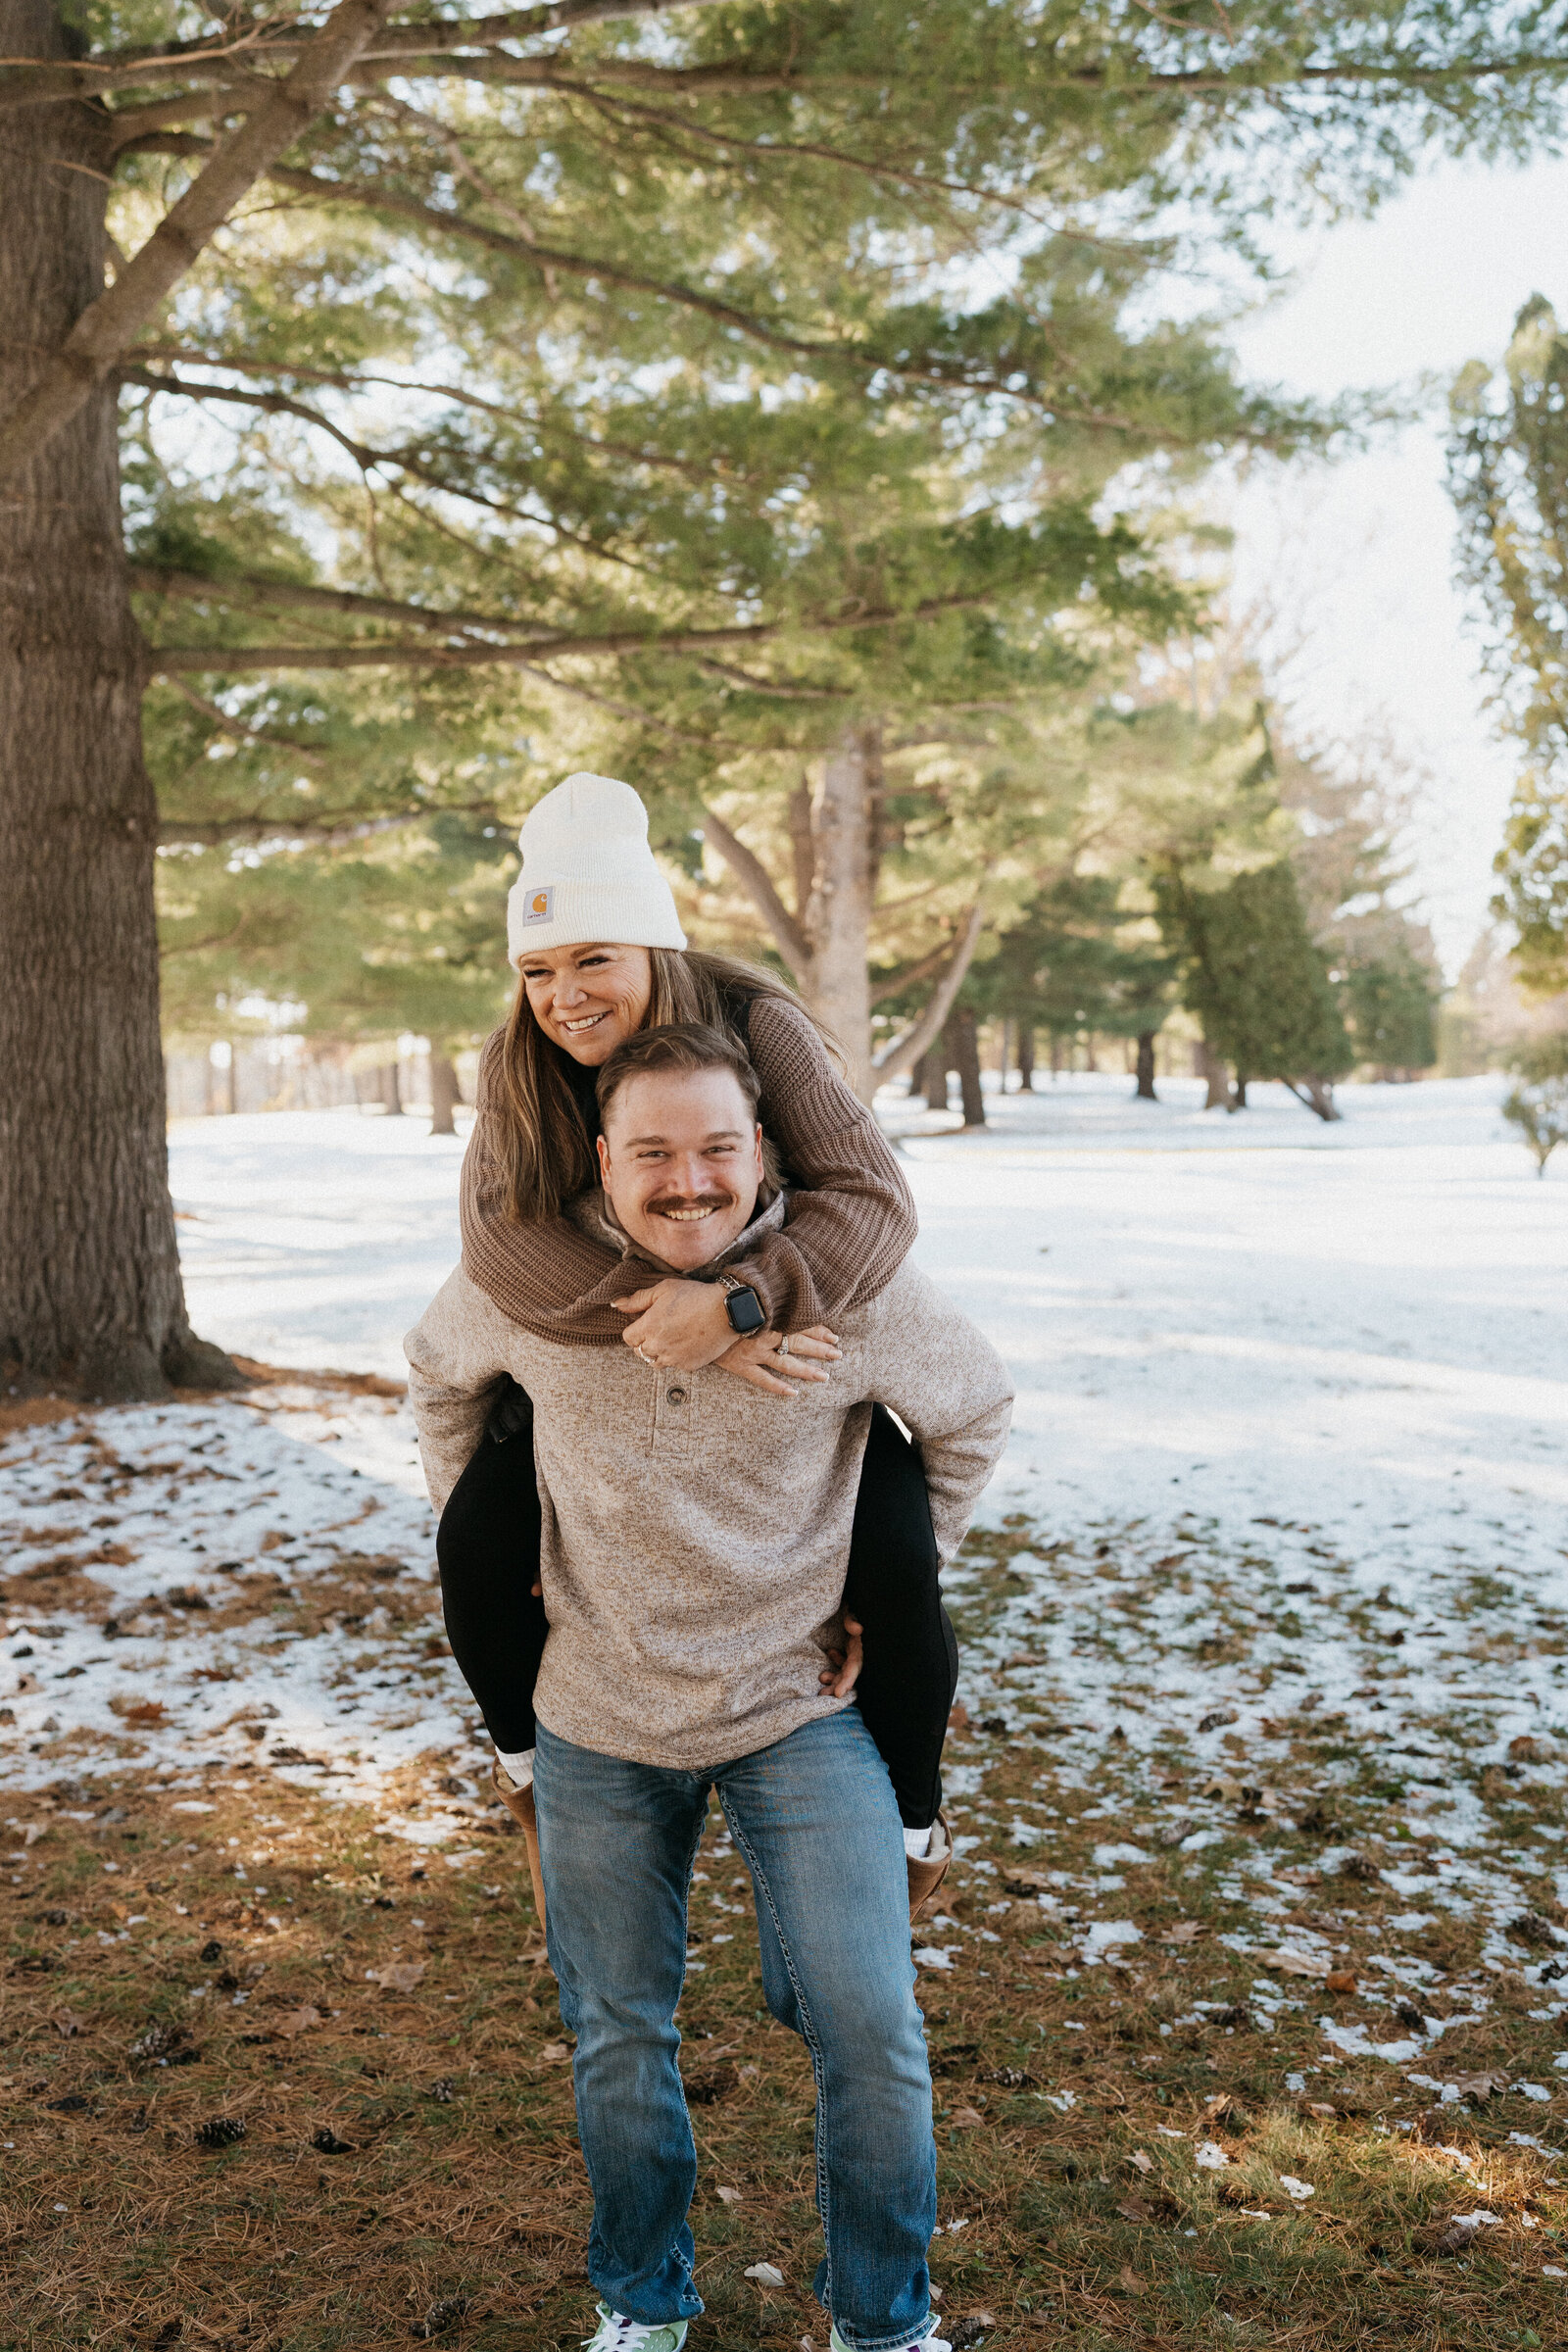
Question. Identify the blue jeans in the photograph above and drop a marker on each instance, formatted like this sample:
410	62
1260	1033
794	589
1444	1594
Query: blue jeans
815	1818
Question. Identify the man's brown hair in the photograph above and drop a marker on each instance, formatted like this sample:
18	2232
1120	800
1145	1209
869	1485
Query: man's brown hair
684	1047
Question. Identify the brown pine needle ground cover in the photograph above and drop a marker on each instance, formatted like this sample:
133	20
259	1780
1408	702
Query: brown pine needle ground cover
270	2077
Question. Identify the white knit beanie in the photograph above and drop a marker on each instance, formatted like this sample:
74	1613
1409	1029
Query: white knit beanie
588	873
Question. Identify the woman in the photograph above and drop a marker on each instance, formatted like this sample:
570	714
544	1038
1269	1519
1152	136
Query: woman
597	943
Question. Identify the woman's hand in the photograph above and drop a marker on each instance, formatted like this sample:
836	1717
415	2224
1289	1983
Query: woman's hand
769	1362
680	1325
846	1657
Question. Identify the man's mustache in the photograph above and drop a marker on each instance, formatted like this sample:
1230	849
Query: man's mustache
671	1203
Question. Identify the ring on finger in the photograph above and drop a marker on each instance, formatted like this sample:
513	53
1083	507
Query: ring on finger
784	1345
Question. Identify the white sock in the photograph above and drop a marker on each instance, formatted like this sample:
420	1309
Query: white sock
518	1769
917	1844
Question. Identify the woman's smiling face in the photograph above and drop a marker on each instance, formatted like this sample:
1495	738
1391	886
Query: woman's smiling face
588	1000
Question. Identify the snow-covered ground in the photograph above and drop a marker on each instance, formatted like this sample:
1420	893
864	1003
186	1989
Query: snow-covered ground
1353	1335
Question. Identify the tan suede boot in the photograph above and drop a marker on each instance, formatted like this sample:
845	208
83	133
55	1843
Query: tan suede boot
926	1876
521	1805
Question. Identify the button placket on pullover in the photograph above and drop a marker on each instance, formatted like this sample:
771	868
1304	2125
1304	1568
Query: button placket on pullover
674	1412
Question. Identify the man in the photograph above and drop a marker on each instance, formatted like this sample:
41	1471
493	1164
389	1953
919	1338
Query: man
695	1540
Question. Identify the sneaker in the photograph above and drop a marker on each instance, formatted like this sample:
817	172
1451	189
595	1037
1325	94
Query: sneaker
916	2343
927	1874
617	2335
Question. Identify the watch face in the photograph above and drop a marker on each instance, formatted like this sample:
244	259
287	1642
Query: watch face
745	1311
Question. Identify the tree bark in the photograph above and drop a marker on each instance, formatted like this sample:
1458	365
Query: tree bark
1214	1075
90	1293
937	1097
1318	1096
1146	1066
966	1054
391	1091
1026	1058
445	1091
837	982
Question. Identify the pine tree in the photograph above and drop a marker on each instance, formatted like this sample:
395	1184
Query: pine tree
1389	1003
1538	1105
1508	476
417	260
1259	983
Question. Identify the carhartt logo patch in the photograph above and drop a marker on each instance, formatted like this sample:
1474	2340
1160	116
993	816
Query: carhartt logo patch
540	905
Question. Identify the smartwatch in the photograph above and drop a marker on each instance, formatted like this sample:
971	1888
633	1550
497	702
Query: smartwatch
742	1305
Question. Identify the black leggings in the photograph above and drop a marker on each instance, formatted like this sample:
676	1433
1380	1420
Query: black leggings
488	1549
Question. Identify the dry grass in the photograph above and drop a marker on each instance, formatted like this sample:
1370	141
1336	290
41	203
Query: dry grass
1070	2098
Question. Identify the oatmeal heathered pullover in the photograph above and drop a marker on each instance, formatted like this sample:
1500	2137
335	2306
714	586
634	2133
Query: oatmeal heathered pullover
696	1529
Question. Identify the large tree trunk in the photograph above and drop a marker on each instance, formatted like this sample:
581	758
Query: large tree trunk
391	1090
1212	1071
836	983
445	1093
965	1052
937	1097
91	1295
1026	1058
1146	1066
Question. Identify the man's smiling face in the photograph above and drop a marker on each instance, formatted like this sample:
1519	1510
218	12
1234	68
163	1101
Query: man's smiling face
681	1160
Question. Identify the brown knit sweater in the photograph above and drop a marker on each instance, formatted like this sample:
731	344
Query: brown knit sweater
850	1220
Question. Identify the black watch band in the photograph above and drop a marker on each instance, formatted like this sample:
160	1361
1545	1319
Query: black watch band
743	1307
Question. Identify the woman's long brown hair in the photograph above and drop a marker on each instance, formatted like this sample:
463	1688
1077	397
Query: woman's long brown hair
540	1149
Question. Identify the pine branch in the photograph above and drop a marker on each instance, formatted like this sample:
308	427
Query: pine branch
238	732
322	826
457	49
447	48
107	326
755	880
246	589
165	660
895	983
906	1050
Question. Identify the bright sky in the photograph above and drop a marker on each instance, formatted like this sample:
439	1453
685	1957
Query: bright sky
1366	547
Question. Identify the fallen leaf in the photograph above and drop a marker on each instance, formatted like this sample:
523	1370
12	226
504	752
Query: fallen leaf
555	2051
764	2274
1144	2163
1133	2209
397	1976
1216	1716
1186	1931
1479	2085
1026	1881
730	2196
1319	2107
969	2118
1295	1964
69	2024
1128	2278
298	2020
959	1720
145	1711
1339	1980
1171	1832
